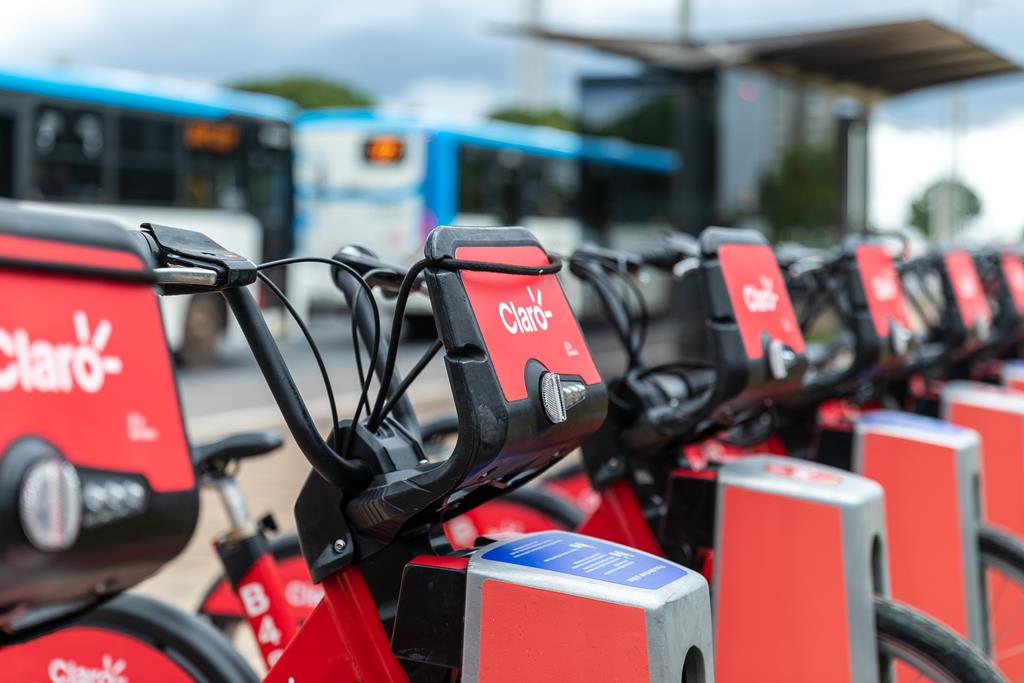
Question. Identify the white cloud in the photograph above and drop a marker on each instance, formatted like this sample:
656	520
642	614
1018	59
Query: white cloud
905	161
457	99
448	55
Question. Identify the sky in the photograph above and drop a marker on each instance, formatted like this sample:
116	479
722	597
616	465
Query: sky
458	56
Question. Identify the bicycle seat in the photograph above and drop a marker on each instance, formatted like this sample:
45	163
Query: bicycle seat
215	456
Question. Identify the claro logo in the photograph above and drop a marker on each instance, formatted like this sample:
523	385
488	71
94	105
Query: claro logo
519	319
70	671
883	287
761	299
57	367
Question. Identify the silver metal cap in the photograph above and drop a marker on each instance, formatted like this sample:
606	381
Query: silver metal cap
560	396
982	328
899	338
780	359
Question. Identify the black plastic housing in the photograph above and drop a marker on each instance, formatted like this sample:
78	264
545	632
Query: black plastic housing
59	258
501	444
741	382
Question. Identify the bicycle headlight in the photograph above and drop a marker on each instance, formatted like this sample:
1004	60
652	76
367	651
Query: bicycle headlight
50	504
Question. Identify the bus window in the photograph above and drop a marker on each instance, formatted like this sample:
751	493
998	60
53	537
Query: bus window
214	176
506	185
617	195
6	156
146	172
213	182
270	197
487	184
548	187
69	149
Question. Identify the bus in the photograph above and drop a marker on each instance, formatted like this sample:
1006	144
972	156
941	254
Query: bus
384	180
136	148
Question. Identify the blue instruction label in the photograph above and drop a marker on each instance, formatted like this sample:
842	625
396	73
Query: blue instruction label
895	418
576	555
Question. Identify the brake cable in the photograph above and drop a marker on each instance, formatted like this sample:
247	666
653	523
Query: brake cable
365	381
405	289
272	286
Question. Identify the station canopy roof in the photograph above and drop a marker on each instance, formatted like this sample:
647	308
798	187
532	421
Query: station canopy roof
880	59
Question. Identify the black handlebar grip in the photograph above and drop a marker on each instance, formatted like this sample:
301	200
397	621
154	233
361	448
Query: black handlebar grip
611	260
387	276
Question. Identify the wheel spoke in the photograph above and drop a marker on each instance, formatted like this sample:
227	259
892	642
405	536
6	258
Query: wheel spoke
1004	627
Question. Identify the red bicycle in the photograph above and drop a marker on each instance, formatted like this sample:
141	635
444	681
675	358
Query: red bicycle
369	514
651	500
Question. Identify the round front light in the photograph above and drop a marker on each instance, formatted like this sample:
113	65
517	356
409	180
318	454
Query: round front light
50	504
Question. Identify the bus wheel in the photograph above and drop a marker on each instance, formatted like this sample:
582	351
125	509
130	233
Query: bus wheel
204	326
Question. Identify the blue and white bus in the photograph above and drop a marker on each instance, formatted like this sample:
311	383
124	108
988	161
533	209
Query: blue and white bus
384	181
138	147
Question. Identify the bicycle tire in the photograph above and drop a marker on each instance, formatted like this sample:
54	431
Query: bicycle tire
561	511
134	635
1003	554
910	638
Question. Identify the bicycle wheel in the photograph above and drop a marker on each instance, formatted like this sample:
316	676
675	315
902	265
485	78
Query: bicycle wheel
129	637
1002	557
913	647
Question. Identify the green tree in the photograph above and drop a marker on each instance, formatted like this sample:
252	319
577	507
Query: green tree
967	204
309	92
552	118
798	197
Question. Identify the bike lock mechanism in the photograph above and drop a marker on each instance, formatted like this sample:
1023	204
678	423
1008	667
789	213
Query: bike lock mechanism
899	338
559	396
780	358
982	327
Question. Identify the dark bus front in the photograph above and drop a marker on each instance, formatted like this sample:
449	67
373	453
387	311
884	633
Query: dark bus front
63	150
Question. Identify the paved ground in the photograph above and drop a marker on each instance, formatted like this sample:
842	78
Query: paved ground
232	397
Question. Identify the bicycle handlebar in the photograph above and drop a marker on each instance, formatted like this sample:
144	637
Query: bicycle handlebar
610	260
346	474
594	270
389	279
202	274
663	413
386	276
671	249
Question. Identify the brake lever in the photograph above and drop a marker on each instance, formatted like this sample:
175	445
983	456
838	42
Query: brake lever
188	258
185	276
385	276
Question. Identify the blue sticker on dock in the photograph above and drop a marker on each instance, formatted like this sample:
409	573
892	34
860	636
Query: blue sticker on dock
576	555
895	418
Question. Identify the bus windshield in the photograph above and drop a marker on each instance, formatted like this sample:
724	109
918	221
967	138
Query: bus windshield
505	186
149	142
